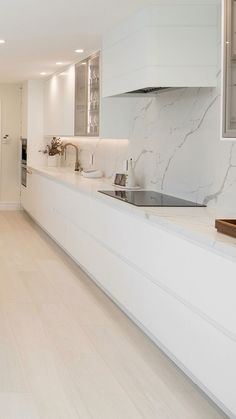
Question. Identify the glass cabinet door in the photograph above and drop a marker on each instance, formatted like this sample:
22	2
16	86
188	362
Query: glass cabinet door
81	101
87	97
229	70
93	96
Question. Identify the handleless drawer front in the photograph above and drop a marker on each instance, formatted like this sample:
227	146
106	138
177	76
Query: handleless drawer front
170	323
187	271
182	295
80	209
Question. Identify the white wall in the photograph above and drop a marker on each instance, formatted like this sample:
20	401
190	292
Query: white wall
35	102
10	97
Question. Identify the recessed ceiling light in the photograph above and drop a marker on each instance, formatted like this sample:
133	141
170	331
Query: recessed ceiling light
2	41
80	51
43	73
59	63
64	73
83	63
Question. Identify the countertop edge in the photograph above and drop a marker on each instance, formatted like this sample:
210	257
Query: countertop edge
215	244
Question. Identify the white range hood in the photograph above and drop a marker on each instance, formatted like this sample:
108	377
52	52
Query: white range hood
163	46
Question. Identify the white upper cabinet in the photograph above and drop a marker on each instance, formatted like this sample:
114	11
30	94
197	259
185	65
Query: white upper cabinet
164	45
59	103
32	119
87	97
72	100
73	106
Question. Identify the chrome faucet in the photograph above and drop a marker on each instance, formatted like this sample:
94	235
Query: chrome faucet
77	163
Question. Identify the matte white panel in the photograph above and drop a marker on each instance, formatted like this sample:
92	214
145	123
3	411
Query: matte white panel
60	103
162	46
181	294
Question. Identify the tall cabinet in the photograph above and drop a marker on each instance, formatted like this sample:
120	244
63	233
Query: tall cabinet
228	96
32	119
59	99
87	97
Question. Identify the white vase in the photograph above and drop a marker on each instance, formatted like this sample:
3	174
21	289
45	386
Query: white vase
53	161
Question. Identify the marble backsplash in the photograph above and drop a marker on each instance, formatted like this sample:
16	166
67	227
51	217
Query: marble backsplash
175	143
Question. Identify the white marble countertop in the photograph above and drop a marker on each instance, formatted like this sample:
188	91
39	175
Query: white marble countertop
194	224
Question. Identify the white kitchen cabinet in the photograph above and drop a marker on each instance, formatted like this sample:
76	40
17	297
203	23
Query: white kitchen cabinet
95	116
28	195
228	96
154	275
59	103
42	199
73	105
87	97
72	100
81	98
31	197
105	225
32	119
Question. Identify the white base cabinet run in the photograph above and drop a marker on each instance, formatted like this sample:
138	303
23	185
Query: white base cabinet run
183	296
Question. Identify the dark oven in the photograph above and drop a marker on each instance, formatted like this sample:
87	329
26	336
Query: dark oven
24	175
23	151
24	161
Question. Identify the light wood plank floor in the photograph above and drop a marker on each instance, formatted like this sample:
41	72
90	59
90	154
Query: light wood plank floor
66	351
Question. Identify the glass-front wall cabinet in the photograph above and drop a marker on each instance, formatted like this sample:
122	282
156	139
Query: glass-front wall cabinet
87	97
229	70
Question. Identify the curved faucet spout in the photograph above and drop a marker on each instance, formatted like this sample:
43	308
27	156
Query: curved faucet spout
77	163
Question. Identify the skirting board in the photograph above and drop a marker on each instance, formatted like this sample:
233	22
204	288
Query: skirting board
10	206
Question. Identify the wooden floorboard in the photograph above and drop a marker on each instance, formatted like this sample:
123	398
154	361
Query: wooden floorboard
66	351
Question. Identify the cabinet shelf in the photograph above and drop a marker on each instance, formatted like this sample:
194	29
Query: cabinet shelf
86	90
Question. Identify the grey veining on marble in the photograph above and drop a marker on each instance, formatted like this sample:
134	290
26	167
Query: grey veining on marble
221	189
175	143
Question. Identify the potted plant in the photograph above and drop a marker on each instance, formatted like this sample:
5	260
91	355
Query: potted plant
54	150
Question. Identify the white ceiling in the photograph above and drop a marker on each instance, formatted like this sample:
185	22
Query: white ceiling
39	33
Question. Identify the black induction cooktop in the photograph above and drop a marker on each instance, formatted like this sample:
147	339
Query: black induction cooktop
150	199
